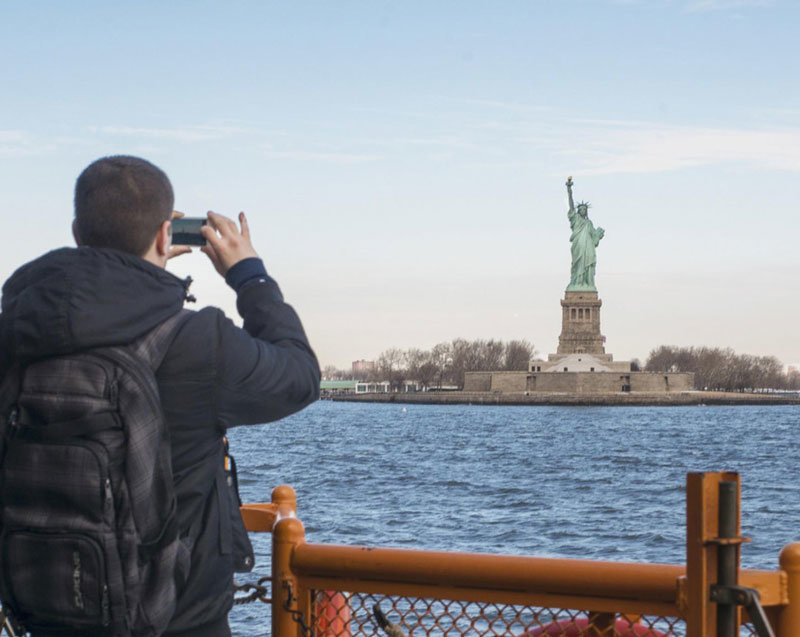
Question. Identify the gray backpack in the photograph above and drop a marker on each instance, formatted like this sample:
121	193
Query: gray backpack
88	536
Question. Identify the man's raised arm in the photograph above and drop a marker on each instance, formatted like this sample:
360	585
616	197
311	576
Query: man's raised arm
267	370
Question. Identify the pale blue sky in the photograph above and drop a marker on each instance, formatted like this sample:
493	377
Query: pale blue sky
403	163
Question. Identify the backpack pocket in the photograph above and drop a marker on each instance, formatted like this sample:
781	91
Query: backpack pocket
57	577
58	485
60	553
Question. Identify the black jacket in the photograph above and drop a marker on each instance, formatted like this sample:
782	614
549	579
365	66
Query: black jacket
215	375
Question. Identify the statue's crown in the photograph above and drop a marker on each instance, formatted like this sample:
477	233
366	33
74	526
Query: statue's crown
585	204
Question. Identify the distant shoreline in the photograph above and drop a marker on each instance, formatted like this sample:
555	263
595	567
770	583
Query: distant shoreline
612	400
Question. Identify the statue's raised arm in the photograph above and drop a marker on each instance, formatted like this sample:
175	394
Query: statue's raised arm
569	194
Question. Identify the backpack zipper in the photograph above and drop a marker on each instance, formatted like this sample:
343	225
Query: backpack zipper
129	362
13	422
104	606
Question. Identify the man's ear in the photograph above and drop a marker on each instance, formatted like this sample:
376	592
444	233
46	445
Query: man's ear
164	238
75	232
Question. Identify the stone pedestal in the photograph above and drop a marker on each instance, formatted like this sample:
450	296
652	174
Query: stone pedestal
580	324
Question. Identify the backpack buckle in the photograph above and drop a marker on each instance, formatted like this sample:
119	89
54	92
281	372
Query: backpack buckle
13	422
9	623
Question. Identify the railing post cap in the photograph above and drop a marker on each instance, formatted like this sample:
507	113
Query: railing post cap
285	500
283	493
789	558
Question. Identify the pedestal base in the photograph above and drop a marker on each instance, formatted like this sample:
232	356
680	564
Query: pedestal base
580	324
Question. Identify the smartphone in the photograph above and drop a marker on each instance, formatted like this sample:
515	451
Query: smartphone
186	231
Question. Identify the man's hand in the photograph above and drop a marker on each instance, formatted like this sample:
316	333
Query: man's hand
176	251
226	245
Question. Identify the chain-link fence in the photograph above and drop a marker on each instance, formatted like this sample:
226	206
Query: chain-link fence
338	614
343	614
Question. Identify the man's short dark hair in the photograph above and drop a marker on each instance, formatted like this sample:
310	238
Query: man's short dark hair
121	202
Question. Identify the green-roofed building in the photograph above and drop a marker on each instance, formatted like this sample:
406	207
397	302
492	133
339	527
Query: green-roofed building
338	386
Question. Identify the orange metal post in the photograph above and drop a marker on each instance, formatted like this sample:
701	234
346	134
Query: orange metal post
602	624
789	622
287	534
285	499
632	618
702	528
260	517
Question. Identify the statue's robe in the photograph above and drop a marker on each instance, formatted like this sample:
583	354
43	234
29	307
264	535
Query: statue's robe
584	239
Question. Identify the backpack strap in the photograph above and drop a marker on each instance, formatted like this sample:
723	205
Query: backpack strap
152	347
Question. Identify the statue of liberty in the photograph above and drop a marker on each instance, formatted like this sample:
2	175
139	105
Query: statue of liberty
584	241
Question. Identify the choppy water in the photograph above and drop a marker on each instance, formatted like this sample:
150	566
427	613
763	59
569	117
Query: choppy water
581	482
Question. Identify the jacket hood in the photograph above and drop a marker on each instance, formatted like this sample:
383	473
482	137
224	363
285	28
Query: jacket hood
77	298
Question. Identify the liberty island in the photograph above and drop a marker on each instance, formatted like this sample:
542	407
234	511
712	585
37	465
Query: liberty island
580	371
581	364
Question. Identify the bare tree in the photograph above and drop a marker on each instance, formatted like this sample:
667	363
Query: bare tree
331	372
518	356
442	360
462	354
719	369
490	355
421	367
391	367
662	359
446	363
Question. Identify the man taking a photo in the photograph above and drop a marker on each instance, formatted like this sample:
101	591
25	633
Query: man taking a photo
113	290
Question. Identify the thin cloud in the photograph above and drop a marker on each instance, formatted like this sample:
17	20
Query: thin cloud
333	158
698	5
606	148
184	134
435	141
430	141
719	5
16	143
11	136
498	104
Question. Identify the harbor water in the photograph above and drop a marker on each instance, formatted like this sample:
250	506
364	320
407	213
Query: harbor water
580	482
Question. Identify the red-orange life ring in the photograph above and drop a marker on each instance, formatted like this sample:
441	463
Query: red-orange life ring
333	615
579	628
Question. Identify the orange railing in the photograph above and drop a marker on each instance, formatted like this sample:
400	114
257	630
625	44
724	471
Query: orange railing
333	590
